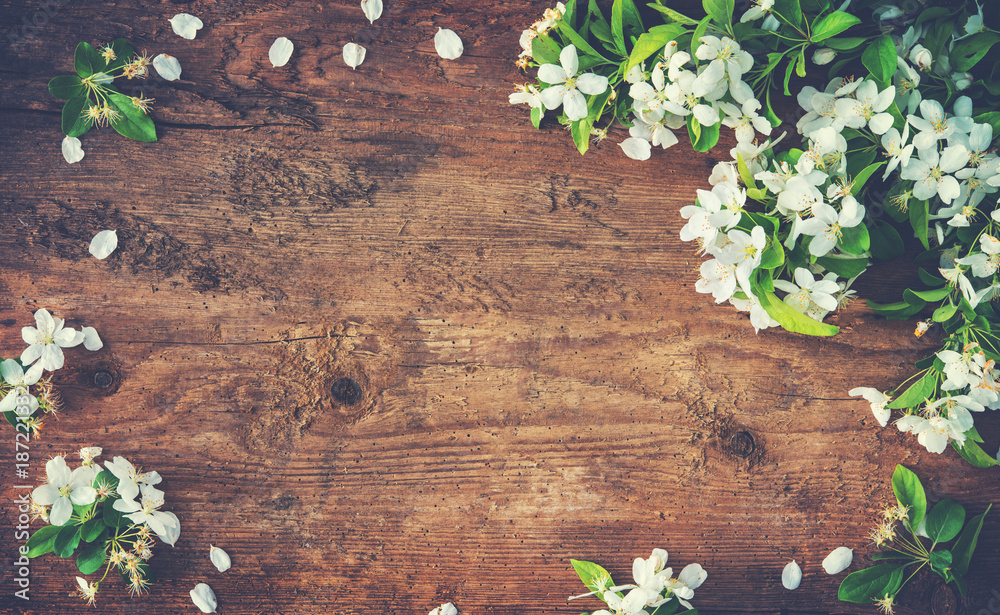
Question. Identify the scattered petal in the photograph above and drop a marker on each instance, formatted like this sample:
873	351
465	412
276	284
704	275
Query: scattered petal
281	51
71	150
204	598
445	609
185	25
220	558
838	560
636	148
448	45
791	576
372	9
167	67
103	244
354	55
92	341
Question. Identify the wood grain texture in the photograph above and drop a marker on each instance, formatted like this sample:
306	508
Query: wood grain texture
539	380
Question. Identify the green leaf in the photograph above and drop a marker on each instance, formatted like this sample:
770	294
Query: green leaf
133	123
791	320
933	295
674	15
886	244
698	33
845	44
990	117
112	518
975	455
86	60
92	529
940	561
945	520
708	137
969	51
721	11
873	583
832	25
536	116
593	576
790	10
577	40
74	123
66	87
965	546
880	58
855	240
918	211
919	392
909	492
93	556
66	540
653	42
862	178
544	50
42	541
788	73
581	134
943	313
773	256
844	267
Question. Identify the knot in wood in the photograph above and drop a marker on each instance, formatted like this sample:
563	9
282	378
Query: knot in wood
346	391
943	600
103	379
742	443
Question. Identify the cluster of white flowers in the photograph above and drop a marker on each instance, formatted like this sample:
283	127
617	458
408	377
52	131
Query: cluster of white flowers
714	91
972	384
654	585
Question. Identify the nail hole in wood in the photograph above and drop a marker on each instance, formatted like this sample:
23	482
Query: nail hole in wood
741	443
346	391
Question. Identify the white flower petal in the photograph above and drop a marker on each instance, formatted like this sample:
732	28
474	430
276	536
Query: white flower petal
636	148
204	598
838	560
172	532
71	150
185	25
448	45
791	576
372	9
167	67
220	558
103	244
91	340
445	609
280	52
354	54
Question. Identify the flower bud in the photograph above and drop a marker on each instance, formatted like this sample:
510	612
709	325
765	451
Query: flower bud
921	56
824	55
963	81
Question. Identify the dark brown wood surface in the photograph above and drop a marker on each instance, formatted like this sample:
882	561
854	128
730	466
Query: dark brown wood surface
539	380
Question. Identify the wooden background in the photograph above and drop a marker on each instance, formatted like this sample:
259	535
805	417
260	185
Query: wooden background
537	378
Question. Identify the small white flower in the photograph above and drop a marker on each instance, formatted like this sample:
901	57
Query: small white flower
445	609
88	453
103	244
167	67
759	318
791	576
71	150
148	511
808	291
838	560
717	278
87	590
526	95
129	478
204	598
47	339
567	86
932	172
878	401
921	56
354	55
372	9
219	558
64	489
173	532
448	44
186	25
15	376
826	226
280	52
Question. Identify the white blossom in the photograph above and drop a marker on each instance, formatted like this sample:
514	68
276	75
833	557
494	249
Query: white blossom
932	172
63	489
15	376
878	401
567	87
46	341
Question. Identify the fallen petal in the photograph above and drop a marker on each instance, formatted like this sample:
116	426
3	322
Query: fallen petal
838	560
372	9
167	67
103	244
71	150
220	558
92	341
636	148
354	55
281	51
448	45
791	576
204	598
185	25
445	609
